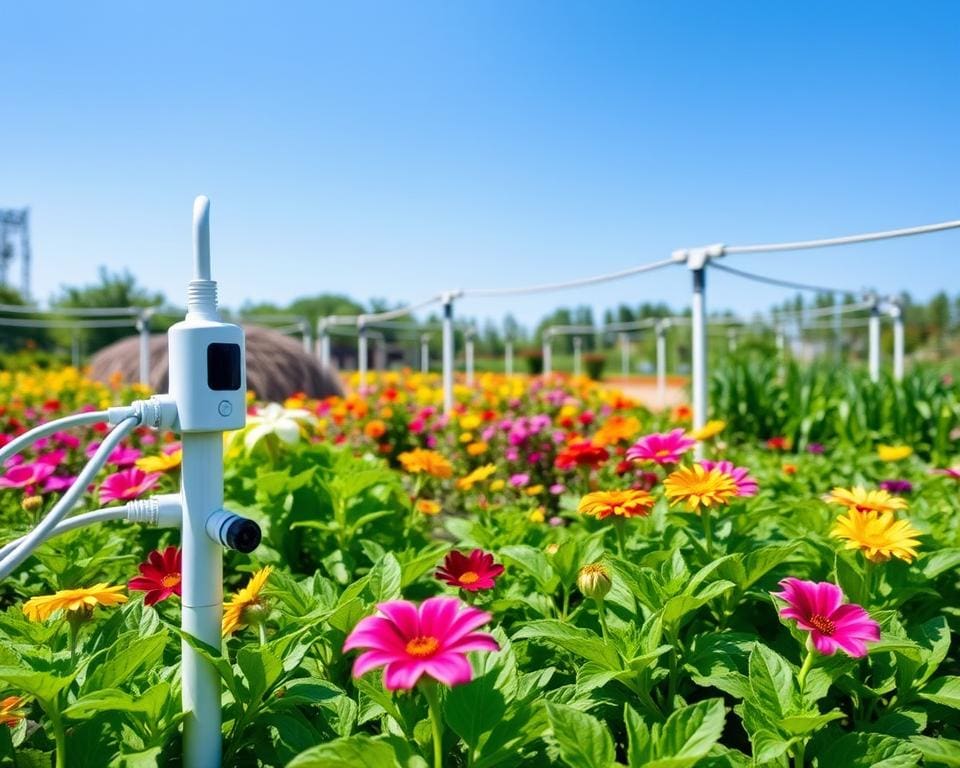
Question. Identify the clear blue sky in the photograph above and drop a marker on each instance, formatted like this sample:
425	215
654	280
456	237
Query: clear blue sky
397	149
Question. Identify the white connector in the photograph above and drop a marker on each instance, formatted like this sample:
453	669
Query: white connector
164	510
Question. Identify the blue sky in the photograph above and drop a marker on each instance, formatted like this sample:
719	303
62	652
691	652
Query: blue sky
398	149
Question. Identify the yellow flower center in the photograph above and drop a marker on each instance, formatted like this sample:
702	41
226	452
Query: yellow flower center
423	646
663	452
170	580
468	577
822	624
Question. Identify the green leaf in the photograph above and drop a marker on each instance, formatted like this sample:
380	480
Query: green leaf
943	690
808	722
688	735
261	668
352	752
939	751
45	686
869	750
679	607
580	642
771	681
130	654
474	709
105	700
582	740
384	579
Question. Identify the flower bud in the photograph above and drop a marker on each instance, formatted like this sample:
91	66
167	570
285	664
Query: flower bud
594	581
32	503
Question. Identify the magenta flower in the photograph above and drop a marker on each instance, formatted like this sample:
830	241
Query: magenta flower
819	609
410	641
661	447
746	485
519	480
951	472
123	456
56	483
26	475
127	484
53	458
896	486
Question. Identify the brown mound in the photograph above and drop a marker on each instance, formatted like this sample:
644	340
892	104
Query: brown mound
277	366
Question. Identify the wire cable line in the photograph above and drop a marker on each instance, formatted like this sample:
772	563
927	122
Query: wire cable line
776	281
547	287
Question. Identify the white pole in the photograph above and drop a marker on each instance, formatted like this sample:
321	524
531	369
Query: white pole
508	357
468	355
379	352
424	353
143	327
324	335
362	352
306	336
731	340
448	353
624	354
547	353
874	351
698	327
662	362
577	355
897	314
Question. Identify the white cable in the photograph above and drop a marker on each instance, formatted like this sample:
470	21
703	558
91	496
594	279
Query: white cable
78	420
76	311
395	313
546	287
69	499
632	325
11	322
71	523
847	240
821	311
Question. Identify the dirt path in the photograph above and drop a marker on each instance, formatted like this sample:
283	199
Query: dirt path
644	389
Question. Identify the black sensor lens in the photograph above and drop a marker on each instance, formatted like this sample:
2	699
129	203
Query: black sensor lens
243	535
223	367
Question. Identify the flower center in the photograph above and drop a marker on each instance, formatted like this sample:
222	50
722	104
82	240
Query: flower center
595	569
468	577
423	646
822	624
663	452
170	580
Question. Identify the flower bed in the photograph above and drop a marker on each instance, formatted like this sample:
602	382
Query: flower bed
547	577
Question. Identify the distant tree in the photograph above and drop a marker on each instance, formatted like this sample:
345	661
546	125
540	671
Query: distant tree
14	338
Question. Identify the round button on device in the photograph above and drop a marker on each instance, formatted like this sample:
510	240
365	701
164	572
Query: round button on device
224	408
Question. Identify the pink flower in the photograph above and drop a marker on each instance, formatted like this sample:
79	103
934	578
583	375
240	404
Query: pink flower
818	608
410	641
123	456
57	483
26	475
951	472
519	480
127	484
661	447
746	485
53	458
66	440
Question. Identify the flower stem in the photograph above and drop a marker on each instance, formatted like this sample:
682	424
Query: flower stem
707	530
262	630
602	613
59	736
798	755
436	721
867	581
621	537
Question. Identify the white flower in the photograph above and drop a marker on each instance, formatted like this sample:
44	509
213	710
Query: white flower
274	419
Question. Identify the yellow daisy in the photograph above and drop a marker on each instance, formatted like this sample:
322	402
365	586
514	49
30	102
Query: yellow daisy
711	429
237	613
628	503
83	599
477	476
430	462
164	462
877	535
698	487
862	500
427	507
893	452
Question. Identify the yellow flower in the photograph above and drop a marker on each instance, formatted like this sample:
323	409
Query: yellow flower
427	507
244	605
466	437
83	599
478	448
477	476
497	485
164	462
628	503
537	515
534	490
893	452
469	421
12	710
711	429
877	535
862	500
421	460
699	487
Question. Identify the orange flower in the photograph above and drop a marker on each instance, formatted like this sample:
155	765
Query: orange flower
375	429
427	507
698	487
628	503
12	710
429	462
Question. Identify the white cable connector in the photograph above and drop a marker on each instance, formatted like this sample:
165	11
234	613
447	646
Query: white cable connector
164	510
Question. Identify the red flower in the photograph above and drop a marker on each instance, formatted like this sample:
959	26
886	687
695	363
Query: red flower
159	576
473	573
584	454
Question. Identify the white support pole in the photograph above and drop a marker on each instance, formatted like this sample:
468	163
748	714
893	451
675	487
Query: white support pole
698	327
874	333
324	335
896	312
448	353
362	352
731	340
547	353
508	357
662	327
577	356
837	331
143	328
306	336
424	353
624	339
379	352
468	356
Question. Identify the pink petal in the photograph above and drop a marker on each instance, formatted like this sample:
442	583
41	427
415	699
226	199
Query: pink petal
470	619
450	669
826	645
404	615
375	632
476	641
403	675
851	645
370	660
437	614
827	598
